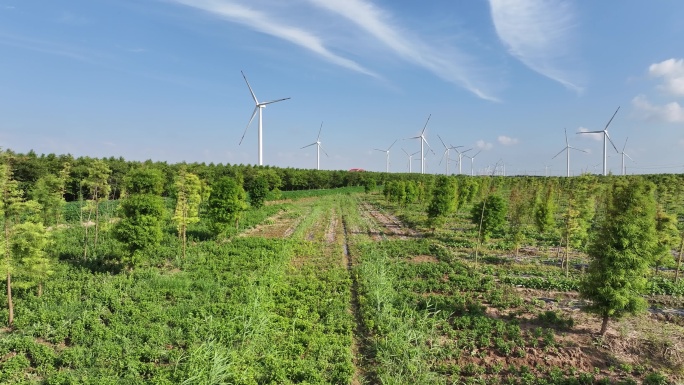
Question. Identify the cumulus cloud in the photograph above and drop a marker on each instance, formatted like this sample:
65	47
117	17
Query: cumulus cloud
482	145
507	141
672	73
671	112
597	136
539	34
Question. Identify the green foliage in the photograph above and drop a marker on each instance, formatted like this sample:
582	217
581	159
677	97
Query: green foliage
443	201
258	190
48	191
28	244
490	214
544	211
188	199
226	204
621	251
369	185
668	238
142	214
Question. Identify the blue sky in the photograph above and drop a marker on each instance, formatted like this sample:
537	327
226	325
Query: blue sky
160	80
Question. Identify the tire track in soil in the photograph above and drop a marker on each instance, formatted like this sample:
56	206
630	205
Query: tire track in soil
363	354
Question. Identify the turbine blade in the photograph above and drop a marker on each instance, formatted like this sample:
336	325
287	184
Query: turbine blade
611	141
589	132
321	147
611	118
308	145
440	139
426	123
630	158
256	108
388	148
407	154
377	149
466	150
623	147
250	88
578	149
566	137
319	132
560	152
476	154
273	101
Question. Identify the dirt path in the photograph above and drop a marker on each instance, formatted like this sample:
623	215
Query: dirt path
281	225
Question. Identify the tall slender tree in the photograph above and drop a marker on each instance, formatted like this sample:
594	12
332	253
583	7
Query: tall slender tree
189	197
97	183
226	203
621	252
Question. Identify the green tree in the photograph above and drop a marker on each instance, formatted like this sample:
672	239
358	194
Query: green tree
142	214
544	211
226	204
97	183
621	251
189	189
258	190
490	216
668	235
443	201
28	245
368	185
518	217
9	202
577	220
49	192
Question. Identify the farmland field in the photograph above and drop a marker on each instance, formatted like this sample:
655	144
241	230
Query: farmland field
336	287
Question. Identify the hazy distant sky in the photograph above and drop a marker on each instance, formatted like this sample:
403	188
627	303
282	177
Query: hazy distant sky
160	80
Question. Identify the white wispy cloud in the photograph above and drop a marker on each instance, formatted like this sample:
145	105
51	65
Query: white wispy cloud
671	112
539	34
595	136
672	73
483	145
448	63
507	140
270	25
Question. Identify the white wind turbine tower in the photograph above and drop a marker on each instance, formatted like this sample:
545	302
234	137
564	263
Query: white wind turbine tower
624	154
319	148
606	138
422	149
567	148
460	156
410	157
387	153
472	158
258	107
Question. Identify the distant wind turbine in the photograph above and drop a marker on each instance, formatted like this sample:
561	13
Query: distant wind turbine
410	157
319	148
567	149
472	158
258	107
387	153
460	156
606	139
624	154
422	142
446	154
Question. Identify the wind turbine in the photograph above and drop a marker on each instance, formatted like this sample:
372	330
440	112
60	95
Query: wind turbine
624	154
460	156
567	148
605	144
446	154
387	152
422	149
319	148
257	107
472	158
410	156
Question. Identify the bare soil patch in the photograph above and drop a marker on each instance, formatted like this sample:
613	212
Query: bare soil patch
386	225
280	225
424	259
